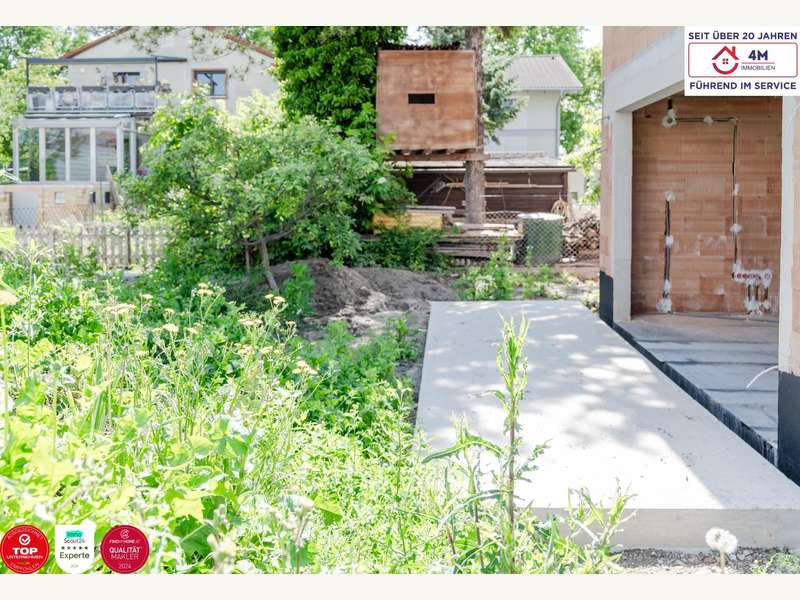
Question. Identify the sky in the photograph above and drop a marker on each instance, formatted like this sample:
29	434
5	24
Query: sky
593	36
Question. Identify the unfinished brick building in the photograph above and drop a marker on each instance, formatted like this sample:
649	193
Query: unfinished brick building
699	265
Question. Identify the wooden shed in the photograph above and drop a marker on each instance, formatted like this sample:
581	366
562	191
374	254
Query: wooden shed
426	100
514	183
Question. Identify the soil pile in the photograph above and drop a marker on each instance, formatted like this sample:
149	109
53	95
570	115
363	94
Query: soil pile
359	294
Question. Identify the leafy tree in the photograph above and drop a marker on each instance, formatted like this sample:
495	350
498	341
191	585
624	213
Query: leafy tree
331	72
586	154
15	44
256	182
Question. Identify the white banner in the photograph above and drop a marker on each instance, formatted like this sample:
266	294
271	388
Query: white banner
738	61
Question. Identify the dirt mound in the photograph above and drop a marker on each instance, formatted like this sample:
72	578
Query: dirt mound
343	291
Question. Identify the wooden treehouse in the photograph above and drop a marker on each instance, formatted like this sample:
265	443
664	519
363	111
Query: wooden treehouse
426	103
427	108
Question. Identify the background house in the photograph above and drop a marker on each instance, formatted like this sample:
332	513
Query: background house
74	135
541	83
231	66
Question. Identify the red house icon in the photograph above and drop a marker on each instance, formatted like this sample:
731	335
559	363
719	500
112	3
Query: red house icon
725	61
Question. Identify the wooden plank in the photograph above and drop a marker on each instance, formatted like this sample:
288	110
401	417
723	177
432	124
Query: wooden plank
449	122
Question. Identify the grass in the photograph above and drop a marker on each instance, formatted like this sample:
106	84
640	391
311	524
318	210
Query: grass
239	447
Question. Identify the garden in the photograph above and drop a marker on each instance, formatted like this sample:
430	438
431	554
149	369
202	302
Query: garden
249	402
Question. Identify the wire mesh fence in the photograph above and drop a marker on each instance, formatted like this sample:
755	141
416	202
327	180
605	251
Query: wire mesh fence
547	238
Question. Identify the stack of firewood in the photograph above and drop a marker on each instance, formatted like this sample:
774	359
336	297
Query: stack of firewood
582	237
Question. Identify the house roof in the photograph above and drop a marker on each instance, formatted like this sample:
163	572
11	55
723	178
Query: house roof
543	72
233	38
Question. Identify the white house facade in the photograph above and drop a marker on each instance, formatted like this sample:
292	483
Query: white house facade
541	82
74	136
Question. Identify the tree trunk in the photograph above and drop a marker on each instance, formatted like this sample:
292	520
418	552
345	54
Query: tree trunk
265	264
474	176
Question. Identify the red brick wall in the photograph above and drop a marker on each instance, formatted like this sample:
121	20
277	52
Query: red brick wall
693	160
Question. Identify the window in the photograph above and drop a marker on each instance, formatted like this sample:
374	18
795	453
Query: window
106	152
55	155
29	154
214	81
79	154
127	77
422	98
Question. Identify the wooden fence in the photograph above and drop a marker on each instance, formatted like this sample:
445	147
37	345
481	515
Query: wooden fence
118	246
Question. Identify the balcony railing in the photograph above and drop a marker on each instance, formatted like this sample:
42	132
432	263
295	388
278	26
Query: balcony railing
67	99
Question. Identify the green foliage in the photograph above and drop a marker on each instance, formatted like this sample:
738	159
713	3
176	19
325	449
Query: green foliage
239	447
298	291
357	393
586	154
780	562
537	284
330	73
411	248
494	280
228	183
497	279
56	306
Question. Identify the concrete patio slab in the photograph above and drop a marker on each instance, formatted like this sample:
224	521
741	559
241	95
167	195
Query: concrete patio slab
714	357
610	417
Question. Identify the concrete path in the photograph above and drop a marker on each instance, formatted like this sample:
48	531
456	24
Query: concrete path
720	355
609	415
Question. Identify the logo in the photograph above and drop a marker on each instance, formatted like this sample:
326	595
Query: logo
125	549
24	549
75	547
725	61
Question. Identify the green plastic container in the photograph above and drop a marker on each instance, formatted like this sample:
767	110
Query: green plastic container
541	238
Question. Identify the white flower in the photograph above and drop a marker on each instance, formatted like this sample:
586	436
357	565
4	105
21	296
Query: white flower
669	241
669	196
170	328
708	120
736	228
721	540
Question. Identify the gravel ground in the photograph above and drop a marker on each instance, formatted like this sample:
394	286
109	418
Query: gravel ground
745	561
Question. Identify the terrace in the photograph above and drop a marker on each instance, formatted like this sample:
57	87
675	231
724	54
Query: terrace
114	86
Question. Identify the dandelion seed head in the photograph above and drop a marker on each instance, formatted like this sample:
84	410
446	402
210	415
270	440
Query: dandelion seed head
721	540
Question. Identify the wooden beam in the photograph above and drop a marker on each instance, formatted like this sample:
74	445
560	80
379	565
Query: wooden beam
505	185
406	155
